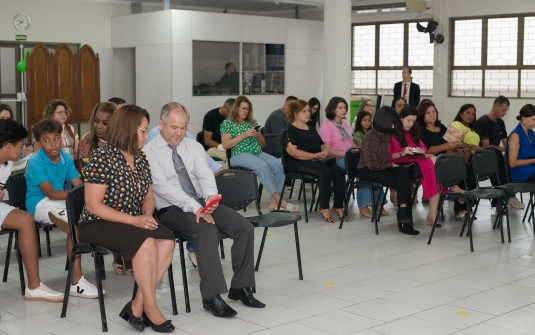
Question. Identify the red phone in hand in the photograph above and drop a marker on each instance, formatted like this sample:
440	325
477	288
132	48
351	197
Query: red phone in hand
212	202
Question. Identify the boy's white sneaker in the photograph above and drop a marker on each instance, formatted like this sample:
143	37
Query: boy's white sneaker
59	218
43	293
85	289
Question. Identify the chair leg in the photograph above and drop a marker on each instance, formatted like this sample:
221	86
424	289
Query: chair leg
346	203
21	268
440	208
298	249
501	200
172	288
305	200
8	256
527	208
261	249
314	189
184	278
260	188
301	189
103	270
374	212
317	195
48	249
98	273
470	221
38	242
222	248
292	190
68	285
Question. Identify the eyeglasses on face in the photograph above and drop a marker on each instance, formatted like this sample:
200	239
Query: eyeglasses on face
370	105
244	109
61	112
143	130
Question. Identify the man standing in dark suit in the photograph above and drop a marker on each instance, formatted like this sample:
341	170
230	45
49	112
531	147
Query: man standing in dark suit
407	89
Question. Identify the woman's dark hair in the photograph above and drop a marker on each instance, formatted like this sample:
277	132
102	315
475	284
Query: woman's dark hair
399	133
122	128
473	124
358	122
314	118
526	111
46	126
106	107
331	107
11	132
422	109
384	118
4	107
396	99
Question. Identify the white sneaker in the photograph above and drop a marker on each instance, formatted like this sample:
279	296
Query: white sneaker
193	258
43	293
85	289
59	218
513	202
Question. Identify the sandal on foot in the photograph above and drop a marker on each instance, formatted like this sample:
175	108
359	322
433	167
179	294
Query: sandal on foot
118	268
328	218
289	207
339	216
129	272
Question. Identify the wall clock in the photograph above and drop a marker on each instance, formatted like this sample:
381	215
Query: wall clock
21	21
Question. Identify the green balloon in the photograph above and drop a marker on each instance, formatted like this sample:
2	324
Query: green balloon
21	66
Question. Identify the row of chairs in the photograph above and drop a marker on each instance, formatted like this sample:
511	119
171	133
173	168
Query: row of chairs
227	181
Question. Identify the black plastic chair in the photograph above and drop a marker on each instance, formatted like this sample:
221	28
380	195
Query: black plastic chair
450	170
351	159
523	187
75	204
17	198
228	181
273	145
304	178
485	165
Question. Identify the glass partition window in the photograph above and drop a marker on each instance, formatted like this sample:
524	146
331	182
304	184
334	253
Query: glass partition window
216	68
263	68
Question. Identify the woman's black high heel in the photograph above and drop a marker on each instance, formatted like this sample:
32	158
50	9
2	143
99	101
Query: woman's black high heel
165	327
129	316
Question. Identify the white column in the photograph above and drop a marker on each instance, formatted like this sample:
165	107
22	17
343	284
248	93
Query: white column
337	52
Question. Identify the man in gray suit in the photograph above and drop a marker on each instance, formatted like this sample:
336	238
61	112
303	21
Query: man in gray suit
183	184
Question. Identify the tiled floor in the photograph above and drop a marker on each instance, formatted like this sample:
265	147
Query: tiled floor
355	282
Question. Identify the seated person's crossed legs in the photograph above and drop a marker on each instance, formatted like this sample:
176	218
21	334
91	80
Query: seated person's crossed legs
206	238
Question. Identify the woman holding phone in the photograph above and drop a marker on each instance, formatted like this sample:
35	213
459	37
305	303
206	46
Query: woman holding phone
240	134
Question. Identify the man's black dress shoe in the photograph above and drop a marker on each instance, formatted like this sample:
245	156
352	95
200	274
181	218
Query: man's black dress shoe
218	307
245	296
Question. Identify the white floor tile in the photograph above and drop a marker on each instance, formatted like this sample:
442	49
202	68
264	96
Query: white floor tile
381	310
453	316
413	326
340	322
488	304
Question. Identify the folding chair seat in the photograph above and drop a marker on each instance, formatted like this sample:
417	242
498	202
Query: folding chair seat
522	187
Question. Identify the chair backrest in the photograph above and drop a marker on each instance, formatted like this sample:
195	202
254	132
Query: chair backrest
75	204
449	170
351	159
273	145
200	137
239	188
484	164
16	186
228	152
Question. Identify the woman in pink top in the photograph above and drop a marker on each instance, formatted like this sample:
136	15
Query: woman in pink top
406	142
336	134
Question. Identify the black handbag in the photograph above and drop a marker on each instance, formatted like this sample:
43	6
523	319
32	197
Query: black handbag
414	170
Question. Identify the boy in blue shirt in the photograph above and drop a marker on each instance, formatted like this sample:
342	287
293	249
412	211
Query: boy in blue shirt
12	135
46	174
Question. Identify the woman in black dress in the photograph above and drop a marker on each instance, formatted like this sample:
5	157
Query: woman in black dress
119	203
304	146
432	134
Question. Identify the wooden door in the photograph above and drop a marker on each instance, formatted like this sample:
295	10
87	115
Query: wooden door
39	87
87	82
63	78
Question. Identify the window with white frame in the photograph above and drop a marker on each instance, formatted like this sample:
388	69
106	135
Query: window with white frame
379	52
493	56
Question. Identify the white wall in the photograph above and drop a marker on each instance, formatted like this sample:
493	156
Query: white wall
444	10
66	22
163	42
